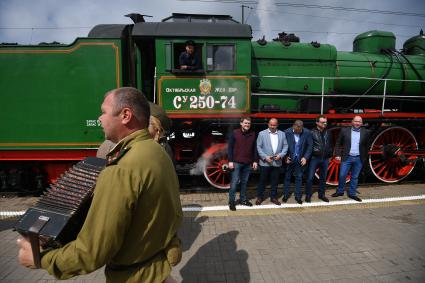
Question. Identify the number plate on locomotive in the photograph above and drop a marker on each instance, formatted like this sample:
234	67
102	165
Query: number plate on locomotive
211	94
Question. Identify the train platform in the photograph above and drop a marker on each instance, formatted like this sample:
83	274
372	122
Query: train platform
378	240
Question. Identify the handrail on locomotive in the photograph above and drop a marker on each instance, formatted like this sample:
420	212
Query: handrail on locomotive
384	95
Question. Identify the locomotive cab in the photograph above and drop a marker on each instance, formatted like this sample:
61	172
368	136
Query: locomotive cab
217	89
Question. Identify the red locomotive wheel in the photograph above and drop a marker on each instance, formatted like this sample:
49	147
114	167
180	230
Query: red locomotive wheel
391	155
216	169
334	165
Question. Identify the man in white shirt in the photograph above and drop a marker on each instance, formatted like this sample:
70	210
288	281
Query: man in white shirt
271	147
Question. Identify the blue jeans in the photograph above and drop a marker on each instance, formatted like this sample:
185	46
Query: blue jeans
265	172
240	172
354	165
296	169
322	164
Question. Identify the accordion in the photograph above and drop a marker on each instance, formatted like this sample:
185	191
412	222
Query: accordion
59	214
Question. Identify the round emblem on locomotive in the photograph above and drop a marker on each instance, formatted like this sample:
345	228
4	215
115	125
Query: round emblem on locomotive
205	86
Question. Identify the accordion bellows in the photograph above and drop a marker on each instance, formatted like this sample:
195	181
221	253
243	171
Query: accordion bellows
60	212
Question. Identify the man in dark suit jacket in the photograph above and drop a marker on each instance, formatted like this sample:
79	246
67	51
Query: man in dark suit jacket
352	148
300	147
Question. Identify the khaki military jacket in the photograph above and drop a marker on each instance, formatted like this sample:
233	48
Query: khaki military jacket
134	214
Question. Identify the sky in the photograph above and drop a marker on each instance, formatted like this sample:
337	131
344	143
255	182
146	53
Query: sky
35	21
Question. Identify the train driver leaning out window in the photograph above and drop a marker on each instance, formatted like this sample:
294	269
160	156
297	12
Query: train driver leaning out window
188	59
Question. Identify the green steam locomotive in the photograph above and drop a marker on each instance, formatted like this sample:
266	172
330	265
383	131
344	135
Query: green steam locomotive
50	94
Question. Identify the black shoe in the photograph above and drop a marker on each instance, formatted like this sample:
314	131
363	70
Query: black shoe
307	199
298	200
325	199
334	195
232	206
246	203
285	199
356	198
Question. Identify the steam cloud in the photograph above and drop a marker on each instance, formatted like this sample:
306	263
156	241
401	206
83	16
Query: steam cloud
198	169
263	13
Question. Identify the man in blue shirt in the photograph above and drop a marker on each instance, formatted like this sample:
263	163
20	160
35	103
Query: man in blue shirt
300	146
352	148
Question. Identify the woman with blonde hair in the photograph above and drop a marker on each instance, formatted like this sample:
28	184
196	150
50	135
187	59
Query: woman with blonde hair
158	134
155	129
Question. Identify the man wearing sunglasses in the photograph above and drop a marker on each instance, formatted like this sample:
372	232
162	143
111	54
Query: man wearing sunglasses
322	151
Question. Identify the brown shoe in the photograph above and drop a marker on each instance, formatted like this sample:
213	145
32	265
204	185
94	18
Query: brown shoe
258	201
275	201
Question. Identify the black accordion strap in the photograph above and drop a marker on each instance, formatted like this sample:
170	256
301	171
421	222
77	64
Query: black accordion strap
33	234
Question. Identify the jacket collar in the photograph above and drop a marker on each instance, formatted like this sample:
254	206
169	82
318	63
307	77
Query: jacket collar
124	145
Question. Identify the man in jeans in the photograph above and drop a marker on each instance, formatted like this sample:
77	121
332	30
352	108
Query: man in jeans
322	151
242	156
299	152
352	148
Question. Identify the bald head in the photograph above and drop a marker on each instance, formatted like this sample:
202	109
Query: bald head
357	122
273	124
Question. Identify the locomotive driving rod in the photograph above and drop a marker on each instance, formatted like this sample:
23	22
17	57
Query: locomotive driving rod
393	151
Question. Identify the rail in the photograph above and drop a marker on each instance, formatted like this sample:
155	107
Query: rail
384	95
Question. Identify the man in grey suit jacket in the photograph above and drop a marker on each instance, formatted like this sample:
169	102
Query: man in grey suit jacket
271	147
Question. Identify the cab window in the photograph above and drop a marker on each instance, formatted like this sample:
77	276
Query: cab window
221	57
179	48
